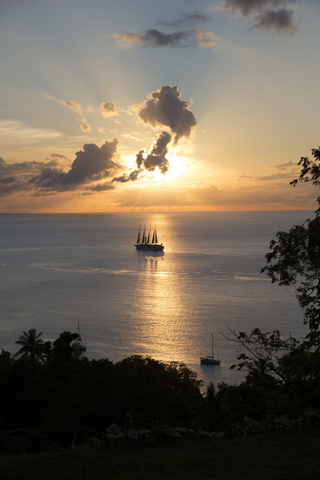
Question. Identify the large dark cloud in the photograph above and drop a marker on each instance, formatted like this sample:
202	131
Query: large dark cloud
15	177
165	108
92	163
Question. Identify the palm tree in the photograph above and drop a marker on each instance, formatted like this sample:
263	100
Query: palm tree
31	345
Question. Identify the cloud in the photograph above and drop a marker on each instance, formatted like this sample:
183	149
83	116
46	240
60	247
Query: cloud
188	19
206	39
283	166
245	7
155	159
108	109
73	105
277	176
129	136
14	128
164	108
281	20
91	164
270	14
155	38
58	155
102	187
157	156
15	177
85	127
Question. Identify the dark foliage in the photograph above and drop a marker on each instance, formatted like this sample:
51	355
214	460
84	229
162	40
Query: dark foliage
62	398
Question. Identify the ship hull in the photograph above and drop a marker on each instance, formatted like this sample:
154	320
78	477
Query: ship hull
209	361
154	247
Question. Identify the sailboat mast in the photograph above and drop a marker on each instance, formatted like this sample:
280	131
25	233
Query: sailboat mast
139	234
79	331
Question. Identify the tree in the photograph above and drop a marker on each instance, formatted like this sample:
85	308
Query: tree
295	255
31	345
294	259
62	351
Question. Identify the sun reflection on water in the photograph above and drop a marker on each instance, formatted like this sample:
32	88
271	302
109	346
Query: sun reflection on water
164	310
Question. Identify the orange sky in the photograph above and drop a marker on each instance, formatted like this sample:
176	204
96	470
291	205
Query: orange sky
192	106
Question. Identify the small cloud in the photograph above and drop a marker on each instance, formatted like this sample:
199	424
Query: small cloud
74	106
58	155
108	109
131	137
245	7
271	15
102	187
101	130
188	19
283	166
206	39
83	125
281	21
276	176
155	38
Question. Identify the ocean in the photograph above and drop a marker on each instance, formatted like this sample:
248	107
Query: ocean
58	270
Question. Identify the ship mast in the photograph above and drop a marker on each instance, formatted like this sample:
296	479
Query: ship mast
139	234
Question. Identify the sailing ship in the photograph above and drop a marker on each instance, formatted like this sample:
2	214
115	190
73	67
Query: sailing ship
148	240
210	360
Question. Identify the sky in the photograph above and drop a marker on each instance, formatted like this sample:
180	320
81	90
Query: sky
147	105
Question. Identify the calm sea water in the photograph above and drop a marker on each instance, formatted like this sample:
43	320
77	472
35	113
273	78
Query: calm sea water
57	270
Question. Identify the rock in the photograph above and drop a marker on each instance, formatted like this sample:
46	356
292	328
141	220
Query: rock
184	430
143	432
95	442
132	433
174	433
205	434
114	429
282	421
312	413
251	421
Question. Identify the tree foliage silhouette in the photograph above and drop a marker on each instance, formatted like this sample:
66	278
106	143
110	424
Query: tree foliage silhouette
31	345
294	258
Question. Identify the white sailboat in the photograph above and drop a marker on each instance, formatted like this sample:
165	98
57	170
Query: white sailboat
210	360
77	344
148	240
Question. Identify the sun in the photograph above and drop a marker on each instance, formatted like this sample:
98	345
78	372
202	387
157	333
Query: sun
179	166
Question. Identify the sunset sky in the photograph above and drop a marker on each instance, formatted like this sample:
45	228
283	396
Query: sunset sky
171	105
